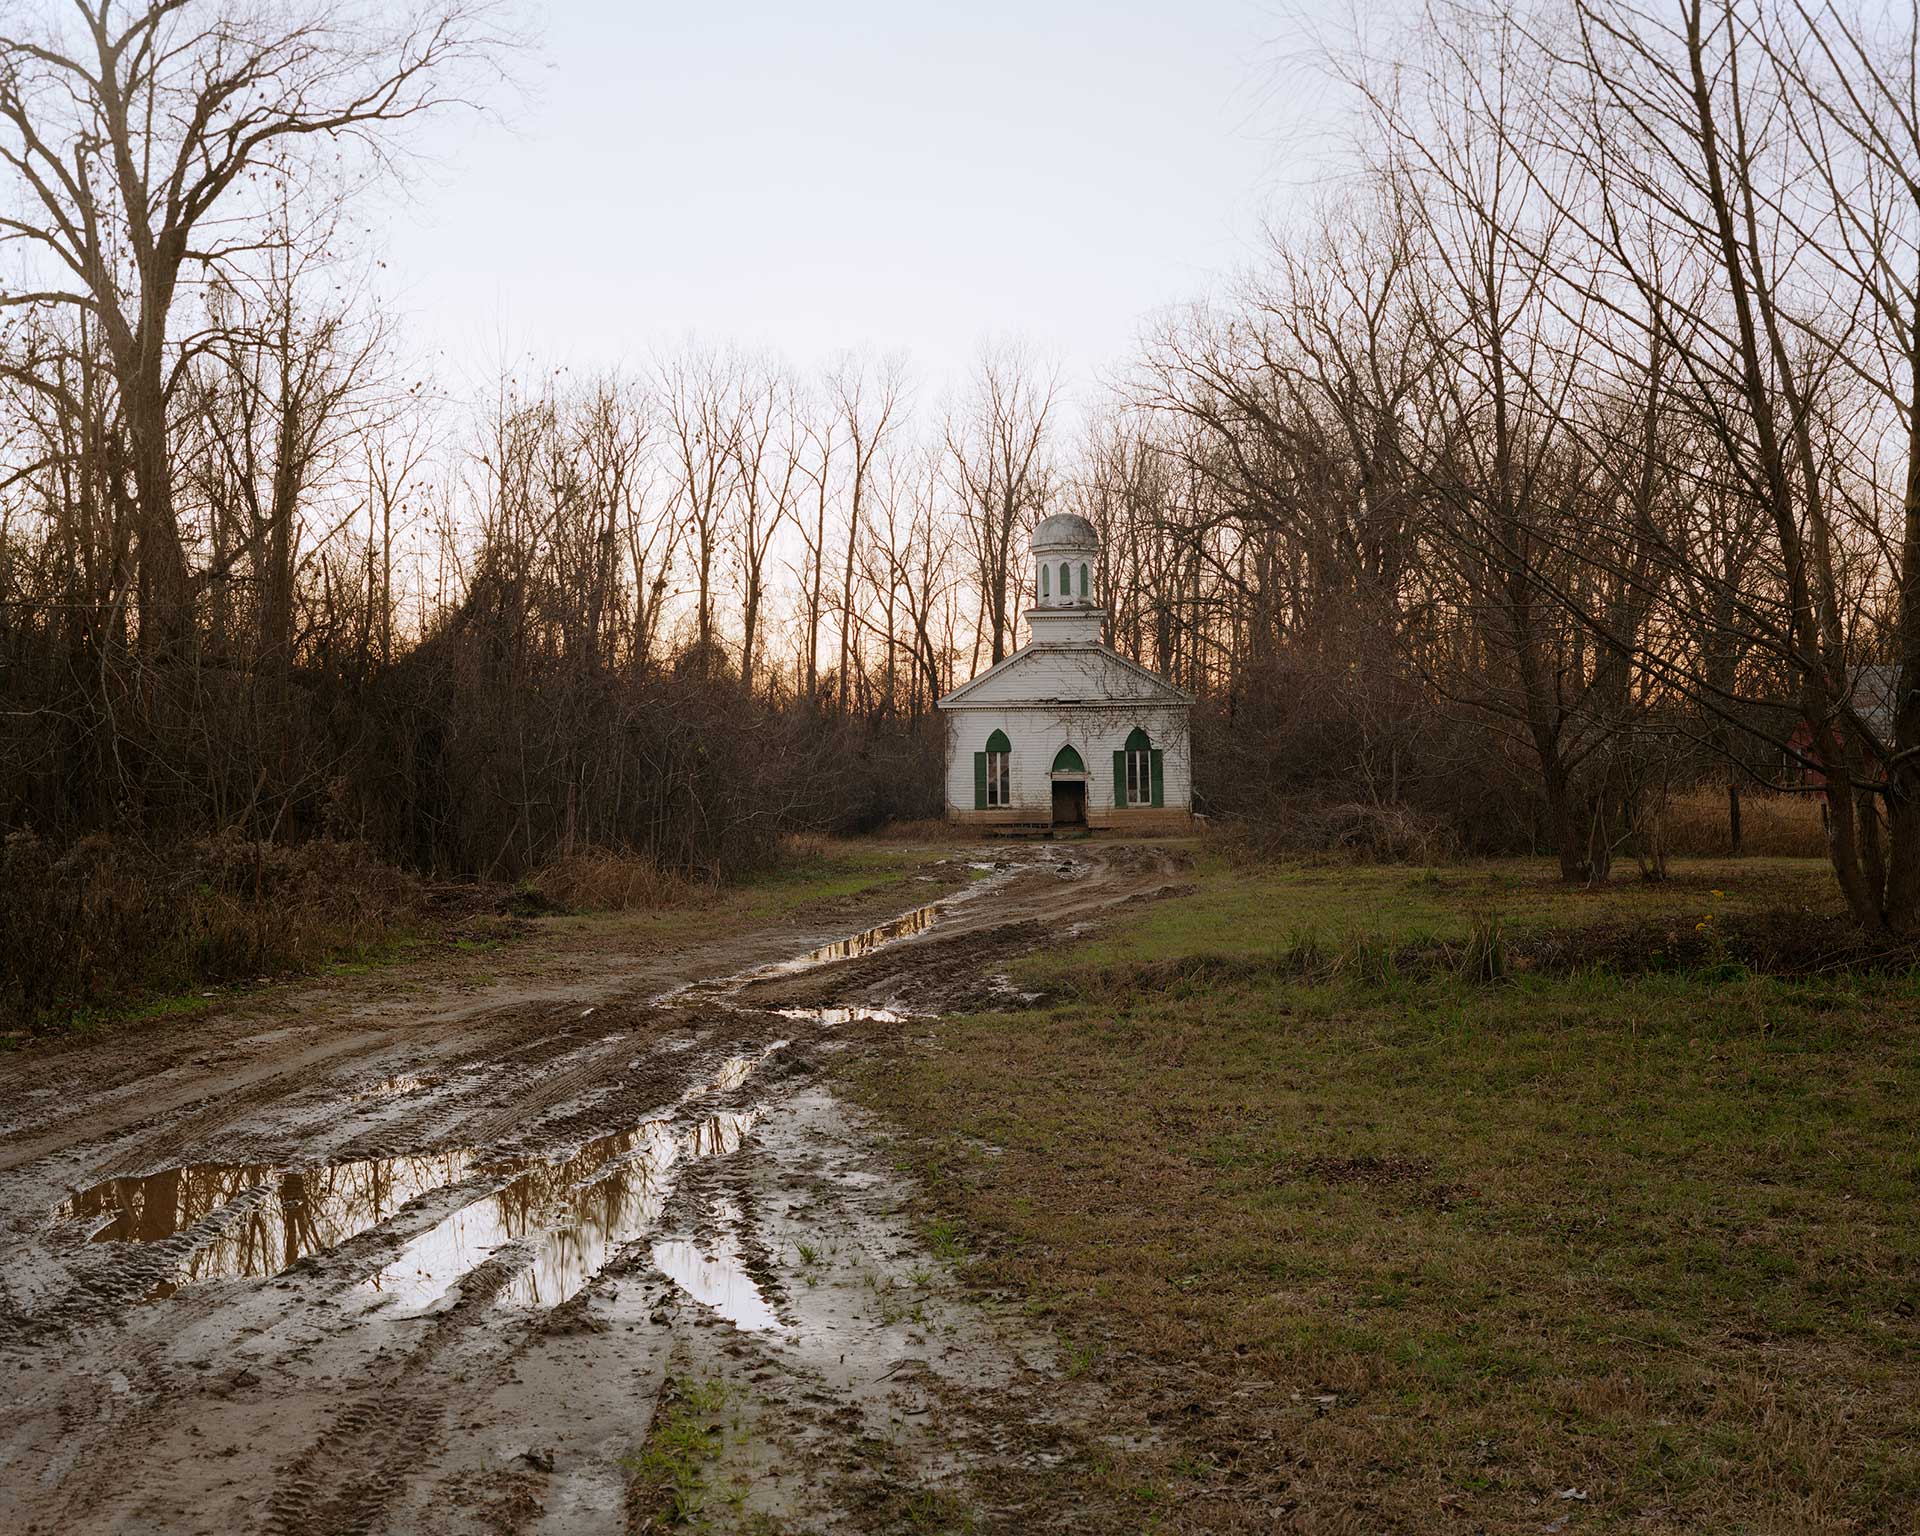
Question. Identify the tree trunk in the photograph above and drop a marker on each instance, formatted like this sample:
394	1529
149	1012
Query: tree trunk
165	617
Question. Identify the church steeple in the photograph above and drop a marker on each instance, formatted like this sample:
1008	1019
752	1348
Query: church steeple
1066	561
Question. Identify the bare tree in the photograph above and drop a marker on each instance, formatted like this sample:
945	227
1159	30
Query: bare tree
701	401
821	467
868	409
1851	94
135	134
282	390
998	443
767	448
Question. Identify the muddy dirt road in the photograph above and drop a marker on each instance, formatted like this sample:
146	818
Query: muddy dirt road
367	1258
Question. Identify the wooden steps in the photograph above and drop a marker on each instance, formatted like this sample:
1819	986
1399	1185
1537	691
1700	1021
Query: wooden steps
1044	831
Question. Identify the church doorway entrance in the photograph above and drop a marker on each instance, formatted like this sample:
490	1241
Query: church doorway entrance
1069	788
1069	802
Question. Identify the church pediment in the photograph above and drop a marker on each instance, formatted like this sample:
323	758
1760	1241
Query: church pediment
1065	674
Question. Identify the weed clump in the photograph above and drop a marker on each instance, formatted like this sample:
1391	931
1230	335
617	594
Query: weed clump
667	1478
1482	959
600	880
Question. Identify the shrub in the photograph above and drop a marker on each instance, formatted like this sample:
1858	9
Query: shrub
1350	831
109	918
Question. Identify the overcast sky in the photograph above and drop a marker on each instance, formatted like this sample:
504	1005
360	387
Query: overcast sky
851	173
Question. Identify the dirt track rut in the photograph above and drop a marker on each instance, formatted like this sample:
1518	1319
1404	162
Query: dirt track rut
421	1258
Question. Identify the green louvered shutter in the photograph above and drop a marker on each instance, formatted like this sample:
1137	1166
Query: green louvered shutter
979	781
1119	779
1159	780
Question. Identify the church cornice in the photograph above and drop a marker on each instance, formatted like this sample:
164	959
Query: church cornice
1164	691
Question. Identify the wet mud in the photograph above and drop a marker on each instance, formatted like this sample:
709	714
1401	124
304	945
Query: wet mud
427	1257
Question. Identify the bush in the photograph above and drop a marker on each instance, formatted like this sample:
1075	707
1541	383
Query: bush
110	919
598	880
1351	832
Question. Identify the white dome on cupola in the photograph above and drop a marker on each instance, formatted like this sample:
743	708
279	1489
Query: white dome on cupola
1066	561
1063	528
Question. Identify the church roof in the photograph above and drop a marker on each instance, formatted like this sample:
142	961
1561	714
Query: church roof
1064	529
1081	673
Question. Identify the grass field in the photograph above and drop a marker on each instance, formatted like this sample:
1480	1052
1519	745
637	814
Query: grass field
1383	1251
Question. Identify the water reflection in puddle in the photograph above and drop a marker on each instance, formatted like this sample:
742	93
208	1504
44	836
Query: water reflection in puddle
716	1277
575	1214
304	1211
734	1071
843	1015
917	921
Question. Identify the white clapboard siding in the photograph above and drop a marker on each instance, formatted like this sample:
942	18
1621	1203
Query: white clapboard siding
1095	730
1054	693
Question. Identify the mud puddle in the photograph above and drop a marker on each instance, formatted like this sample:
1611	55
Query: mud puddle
257	1221
713	1271
832	1016
915	922
273	1217
400	1087
599	1191
573	1216
908	925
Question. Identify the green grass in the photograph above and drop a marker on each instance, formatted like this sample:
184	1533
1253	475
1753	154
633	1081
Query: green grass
1432	1249
832	871
79	1023
668	1478
1259	908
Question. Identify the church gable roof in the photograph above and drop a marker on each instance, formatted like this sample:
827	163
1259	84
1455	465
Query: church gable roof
1066	674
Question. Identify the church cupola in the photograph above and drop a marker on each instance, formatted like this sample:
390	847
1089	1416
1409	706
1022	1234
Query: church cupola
1066	557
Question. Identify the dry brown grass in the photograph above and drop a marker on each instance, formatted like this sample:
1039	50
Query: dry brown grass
928	829
1405	1255
599	880
1771	825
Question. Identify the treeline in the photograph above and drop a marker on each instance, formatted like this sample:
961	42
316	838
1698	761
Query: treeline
1586	413
1565	458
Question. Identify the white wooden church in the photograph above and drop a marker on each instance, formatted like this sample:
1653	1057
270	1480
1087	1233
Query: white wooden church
1067	732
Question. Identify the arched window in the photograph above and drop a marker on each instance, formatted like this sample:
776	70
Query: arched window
1043	582
1136	772
1066	760
1066	580
993	773
1084	592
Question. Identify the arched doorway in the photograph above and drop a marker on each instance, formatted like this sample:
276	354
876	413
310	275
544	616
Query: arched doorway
1069	788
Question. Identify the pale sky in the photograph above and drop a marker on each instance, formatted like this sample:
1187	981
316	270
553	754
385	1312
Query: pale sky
851	173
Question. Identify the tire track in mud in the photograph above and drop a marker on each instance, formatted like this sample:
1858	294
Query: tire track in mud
404	1413
142	1082
348	1479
